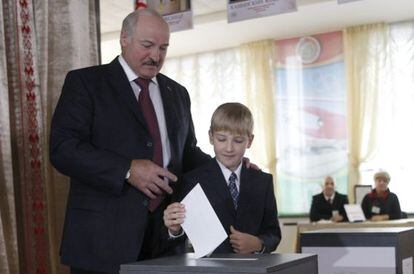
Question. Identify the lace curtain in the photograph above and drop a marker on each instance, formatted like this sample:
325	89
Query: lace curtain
242	74
365	53
386	129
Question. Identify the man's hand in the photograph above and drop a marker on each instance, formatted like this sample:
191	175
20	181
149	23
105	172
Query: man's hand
378	218
337	218
244	243
174	216
249	164
147	177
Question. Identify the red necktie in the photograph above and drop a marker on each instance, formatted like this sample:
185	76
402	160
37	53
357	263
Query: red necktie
147	108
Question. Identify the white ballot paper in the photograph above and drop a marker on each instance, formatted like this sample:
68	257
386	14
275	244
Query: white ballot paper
201	223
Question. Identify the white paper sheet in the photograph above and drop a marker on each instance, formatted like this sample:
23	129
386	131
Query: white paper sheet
407	265
354	213
201	223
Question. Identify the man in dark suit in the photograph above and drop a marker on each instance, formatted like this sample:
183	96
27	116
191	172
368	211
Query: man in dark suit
123	156
329	205
247	211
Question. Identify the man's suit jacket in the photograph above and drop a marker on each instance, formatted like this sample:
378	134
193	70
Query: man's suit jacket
256	212
322	209
97	129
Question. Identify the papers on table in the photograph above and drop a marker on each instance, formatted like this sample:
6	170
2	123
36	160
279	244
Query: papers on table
354	213
407	265
201	224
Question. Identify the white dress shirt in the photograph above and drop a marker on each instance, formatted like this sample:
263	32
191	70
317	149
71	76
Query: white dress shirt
227	172
156	99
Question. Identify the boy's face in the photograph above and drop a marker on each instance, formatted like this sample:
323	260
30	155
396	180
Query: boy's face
230	148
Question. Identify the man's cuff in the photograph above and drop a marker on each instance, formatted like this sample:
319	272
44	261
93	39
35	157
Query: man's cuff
172	236
263	247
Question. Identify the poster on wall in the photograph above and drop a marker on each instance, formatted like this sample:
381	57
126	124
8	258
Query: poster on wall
238	10
177	13
311	118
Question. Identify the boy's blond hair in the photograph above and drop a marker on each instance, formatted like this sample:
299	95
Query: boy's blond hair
232	117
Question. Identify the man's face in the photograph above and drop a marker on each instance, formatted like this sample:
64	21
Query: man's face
328	187
145	50
230	148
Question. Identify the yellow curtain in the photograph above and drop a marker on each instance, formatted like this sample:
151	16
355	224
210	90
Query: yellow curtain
257	62
365	54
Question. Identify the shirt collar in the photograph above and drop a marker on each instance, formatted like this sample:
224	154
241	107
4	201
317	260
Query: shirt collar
227	172
131	75
332	197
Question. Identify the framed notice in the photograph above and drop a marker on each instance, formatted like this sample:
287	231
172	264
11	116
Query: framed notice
238	10
177	13
360	191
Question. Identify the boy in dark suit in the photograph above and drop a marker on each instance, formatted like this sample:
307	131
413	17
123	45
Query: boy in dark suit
242	198
329	204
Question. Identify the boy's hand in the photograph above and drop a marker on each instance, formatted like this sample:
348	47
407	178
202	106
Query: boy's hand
244	243
174	216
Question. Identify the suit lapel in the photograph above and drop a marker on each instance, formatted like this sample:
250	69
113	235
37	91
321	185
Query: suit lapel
120	84
247	190
168	102
217	190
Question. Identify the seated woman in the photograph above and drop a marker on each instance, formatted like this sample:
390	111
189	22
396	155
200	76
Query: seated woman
381	204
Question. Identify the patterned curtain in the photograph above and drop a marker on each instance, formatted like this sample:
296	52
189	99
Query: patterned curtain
41	41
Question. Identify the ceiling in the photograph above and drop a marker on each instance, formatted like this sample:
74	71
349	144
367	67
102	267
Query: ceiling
212	31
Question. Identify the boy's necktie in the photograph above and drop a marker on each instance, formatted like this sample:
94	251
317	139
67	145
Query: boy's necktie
147	108
233	189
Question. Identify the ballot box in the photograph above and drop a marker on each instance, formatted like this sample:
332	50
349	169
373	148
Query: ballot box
229	263
361	250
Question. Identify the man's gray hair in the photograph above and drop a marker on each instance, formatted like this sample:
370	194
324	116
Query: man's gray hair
130	22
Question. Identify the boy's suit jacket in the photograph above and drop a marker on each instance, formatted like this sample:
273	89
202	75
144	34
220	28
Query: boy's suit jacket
96	131
256	212
322	209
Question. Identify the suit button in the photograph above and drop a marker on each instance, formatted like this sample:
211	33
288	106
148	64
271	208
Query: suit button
149	144
145	203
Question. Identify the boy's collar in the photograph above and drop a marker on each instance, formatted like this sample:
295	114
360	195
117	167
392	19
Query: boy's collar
227	172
